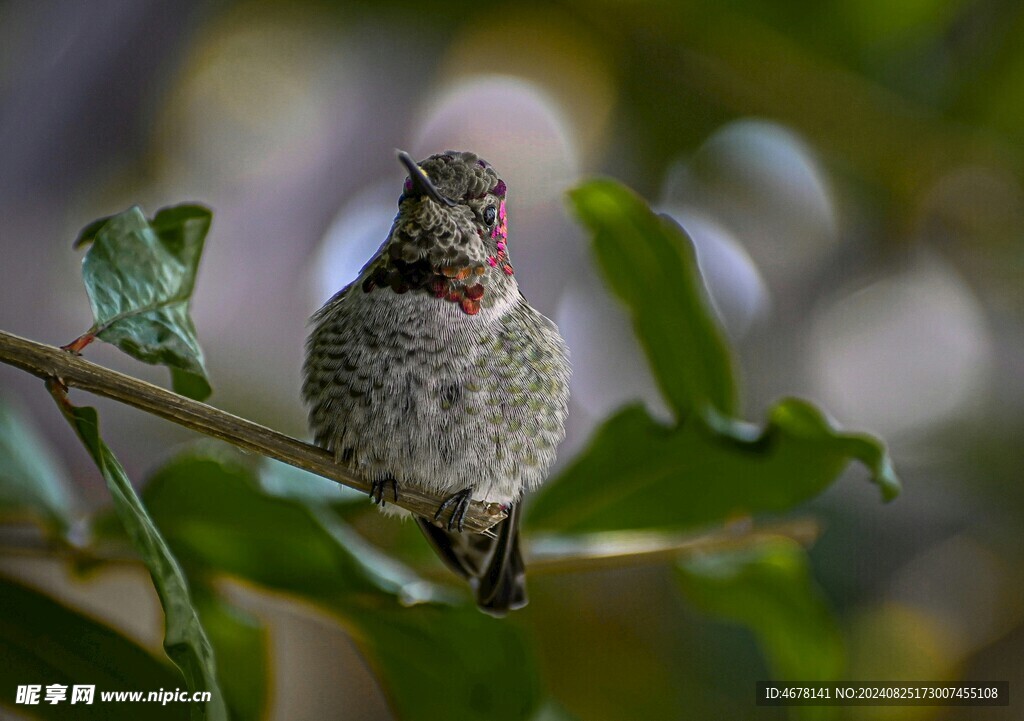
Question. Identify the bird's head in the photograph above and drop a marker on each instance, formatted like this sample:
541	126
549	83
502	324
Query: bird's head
450	237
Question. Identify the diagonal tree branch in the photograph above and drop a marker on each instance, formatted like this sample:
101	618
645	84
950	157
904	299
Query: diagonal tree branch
48	362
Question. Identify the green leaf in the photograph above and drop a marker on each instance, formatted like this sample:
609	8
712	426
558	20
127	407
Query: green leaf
215	518
242	647
88	234
639	474
184	639
280	479
190	385
31	480
769	589
140	275
413	634
649	262
438	661
44	642
600	664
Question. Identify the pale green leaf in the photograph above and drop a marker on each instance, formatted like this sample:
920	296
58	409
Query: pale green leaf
140	275
184	638
31	480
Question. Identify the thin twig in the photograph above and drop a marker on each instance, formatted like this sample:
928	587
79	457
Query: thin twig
544	555
48	362
618	549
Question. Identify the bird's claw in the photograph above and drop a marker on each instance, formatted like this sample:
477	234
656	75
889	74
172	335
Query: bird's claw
379	487
459	503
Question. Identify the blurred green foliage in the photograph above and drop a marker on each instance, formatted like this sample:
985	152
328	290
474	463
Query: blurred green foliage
207	514
651	265
770	590
30	479
45	642
640	474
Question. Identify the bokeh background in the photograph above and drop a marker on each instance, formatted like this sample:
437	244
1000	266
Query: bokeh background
850	173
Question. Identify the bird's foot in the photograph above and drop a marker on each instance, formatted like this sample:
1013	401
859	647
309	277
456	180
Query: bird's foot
379	488
459	503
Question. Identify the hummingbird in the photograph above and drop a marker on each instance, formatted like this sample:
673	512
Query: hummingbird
432	371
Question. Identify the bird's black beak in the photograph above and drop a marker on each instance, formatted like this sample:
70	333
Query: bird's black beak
421	183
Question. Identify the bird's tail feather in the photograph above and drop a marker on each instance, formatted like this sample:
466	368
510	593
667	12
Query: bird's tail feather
493	565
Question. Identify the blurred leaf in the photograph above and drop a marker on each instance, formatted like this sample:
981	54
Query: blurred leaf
30	478
190	385
214	516
280	479
46	643
552	711
140	275
770	590
899	642
240	642
650	264
437	661
639	474
605	657
217	520
184	639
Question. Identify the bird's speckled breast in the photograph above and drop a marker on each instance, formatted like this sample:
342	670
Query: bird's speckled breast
410	386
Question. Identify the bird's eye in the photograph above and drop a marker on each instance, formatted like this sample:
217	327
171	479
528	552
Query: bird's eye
490	214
